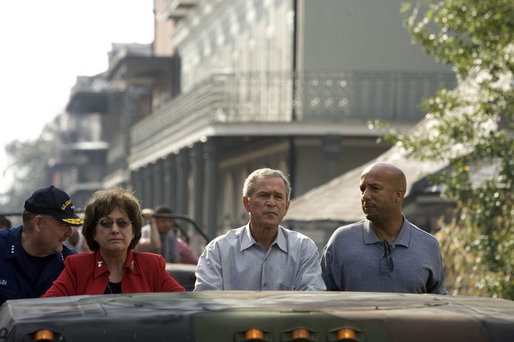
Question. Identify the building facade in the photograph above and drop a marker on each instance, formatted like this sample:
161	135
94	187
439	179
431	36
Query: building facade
234	85
80	164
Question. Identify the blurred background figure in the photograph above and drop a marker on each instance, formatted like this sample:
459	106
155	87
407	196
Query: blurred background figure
76	241
160	236
187	256
4	222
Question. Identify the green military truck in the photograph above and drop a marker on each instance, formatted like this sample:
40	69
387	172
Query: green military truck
258	316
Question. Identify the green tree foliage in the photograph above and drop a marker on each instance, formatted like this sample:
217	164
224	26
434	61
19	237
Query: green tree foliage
29	163
471	128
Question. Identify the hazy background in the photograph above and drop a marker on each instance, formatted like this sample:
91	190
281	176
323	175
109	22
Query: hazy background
46	45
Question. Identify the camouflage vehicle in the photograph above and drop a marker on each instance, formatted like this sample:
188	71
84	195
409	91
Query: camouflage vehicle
258	316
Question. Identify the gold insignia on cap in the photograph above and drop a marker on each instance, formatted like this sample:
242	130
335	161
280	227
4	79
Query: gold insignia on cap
73	220
66	204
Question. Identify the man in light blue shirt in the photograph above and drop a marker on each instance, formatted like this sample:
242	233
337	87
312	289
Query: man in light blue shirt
261	255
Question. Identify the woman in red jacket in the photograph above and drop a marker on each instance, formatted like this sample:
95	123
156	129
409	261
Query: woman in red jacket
112	227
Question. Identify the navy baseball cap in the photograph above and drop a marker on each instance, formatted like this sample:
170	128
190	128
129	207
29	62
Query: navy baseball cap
55	202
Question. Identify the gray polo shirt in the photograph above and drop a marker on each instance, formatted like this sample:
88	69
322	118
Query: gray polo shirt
354	259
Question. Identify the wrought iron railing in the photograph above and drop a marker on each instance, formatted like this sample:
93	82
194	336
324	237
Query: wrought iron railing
311	96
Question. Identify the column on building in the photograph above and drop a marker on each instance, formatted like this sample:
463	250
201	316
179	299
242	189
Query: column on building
197	164
170	182
137	183
147	187
210	153
237	193
331	147
182	166
158	182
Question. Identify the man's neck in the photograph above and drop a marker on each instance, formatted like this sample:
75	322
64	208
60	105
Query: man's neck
388	230
31	246
264	236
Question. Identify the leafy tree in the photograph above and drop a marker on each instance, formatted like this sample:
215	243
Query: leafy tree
471	128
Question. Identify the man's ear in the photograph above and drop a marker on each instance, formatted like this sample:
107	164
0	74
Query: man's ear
37	222
399	195
246	203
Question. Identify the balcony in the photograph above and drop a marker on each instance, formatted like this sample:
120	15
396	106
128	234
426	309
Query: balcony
269	98
178	9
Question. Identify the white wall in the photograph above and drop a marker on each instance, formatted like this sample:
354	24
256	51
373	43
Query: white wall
356	35
234	36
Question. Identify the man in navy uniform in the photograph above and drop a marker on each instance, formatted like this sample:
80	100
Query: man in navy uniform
32	255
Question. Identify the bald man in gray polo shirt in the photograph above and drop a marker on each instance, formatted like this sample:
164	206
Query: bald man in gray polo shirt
385	252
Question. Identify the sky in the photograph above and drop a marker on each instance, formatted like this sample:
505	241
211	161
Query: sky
46	45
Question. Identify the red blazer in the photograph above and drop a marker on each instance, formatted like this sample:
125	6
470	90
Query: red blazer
86	273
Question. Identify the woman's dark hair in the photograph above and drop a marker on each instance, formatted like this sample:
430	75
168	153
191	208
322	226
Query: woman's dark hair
101	204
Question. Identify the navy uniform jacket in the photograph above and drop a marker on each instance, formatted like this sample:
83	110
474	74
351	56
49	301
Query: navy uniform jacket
16	278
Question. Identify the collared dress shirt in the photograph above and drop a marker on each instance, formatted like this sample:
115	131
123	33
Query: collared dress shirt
169	248
86	273
20	274
354	259
235	261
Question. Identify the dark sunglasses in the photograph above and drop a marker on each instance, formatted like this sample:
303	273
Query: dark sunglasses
386	264
107	222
